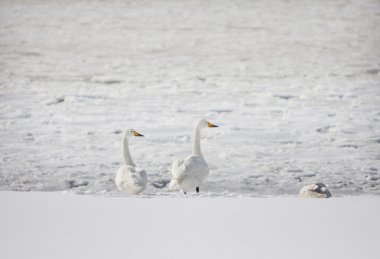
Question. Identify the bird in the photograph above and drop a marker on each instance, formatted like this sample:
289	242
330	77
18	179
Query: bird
315	190
189	173
129	178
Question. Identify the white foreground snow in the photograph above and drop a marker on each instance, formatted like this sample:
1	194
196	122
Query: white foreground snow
52	225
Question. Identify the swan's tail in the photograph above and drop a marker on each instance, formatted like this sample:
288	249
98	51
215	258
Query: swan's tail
173	185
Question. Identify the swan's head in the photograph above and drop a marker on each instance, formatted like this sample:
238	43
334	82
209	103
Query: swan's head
132	133
206	124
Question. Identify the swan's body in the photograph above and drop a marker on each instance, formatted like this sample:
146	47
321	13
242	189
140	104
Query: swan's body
315	190
189	173
129	178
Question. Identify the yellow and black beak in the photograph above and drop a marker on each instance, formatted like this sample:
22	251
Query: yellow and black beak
210	125
136	134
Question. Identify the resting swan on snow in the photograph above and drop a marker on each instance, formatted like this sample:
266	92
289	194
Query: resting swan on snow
190	172
129	178
315	190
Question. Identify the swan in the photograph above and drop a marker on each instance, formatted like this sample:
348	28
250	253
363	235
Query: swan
315	190
129	178
190	172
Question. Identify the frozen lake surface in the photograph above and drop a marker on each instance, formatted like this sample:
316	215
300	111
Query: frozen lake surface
294	85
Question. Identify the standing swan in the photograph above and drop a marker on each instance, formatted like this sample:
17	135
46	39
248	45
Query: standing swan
130	179
190	172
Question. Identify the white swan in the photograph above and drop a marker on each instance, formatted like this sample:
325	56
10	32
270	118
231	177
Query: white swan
315	190
190	172
129	178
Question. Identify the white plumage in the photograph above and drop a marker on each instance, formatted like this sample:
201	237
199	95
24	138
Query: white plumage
189	173
129	178
315	190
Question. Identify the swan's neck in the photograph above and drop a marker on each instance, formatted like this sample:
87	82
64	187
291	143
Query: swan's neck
127	156
197	142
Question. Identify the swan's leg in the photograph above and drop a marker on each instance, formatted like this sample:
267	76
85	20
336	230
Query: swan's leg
197	189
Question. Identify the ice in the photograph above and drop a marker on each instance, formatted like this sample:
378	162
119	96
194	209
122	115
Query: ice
294	86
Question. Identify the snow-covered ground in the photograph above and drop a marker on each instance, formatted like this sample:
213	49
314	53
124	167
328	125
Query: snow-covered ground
294	86
51	225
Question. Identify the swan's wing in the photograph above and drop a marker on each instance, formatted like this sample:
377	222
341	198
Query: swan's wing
195	163
139	177
128	175
196	168
187	167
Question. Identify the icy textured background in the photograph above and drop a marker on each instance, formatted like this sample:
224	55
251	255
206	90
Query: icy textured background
294	85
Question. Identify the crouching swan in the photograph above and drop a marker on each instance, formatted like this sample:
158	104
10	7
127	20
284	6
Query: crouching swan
191	172
315	190
129	178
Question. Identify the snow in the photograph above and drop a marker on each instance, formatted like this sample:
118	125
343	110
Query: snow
54	225
294	86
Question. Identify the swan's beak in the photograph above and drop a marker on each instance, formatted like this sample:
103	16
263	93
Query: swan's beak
210	125
137	134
